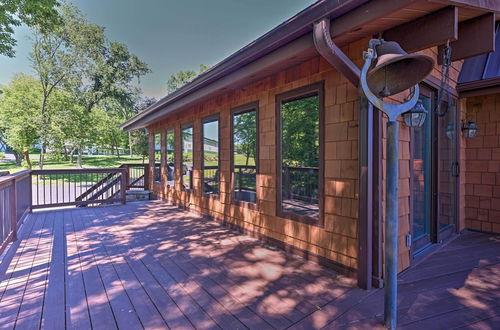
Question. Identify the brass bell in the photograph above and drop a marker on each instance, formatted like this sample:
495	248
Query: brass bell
395	70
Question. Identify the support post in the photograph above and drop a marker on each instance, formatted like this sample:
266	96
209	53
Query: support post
391	228
123	185
13	210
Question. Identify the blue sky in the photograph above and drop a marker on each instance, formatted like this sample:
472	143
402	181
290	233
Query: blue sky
172	35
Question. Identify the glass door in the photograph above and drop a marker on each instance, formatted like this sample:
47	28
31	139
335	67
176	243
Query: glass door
421	175
447	171
434	174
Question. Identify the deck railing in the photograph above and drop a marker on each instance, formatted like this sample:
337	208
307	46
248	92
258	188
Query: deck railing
15	203
34	189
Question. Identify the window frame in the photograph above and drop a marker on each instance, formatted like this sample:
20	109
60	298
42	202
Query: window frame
316	89
160	174
183	127
244	108
205	120
167	131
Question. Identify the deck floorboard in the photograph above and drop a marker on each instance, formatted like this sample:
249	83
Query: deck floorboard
152	265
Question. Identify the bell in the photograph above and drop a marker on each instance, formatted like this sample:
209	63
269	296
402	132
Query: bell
395	70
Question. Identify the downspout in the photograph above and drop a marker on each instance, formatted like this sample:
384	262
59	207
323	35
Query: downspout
334	55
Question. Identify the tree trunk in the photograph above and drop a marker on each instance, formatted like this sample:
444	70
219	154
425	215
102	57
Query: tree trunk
19	157
27	158
79	158
71	154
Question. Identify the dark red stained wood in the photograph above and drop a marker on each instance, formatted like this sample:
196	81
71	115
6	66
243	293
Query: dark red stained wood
130	261
475	37
428	31
77	310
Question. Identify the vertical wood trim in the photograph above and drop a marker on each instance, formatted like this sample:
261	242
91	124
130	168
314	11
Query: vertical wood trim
365	193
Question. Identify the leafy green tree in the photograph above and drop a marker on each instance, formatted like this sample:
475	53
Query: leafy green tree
300	132
19	114
40	13
139	143
183	77
245	133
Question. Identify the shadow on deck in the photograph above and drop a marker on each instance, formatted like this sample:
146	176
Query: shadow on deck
152	265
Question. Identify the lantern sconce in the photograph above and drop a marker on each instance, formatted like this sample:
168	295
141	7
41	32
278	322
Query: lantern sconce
469	129
416	116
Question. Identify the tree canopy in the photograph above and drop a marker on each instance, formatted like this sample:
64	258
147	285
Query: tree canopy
183	77
40	13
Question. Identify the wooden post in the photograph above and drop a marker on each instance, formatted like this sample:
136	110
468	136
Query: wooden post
146	176
13	210
123	185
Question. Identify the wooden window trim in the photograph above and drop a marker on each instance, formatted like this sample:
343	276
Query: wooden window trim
167	130
248	107
288	96
183	127
205	120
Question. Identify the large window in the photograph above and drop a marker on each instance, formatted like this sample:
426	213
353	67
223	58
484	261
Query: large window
170	157
157	165
187	157
244	146
299	155
211	156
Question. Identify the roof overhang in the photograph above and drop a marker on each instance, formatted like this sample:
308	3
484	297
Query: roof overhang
291	43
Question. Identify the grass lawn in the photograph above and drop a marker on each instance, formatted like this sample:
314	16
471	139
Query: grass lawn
87	162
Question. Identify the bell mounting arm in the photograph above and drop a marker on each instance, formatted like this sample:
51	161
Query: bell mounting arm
391	110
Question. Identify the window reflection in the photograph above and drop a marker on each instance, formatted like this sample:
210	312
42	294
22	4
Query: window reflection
300	151
187	157
157	166
170	157
244	155
211	157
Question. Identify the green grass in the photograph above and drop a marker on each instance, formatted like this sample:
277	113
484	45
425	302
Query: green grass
87	162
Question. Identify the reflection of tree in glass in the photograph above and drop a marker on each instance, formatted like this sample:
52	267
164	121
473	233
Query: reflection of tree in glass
170	146
300	132
245	135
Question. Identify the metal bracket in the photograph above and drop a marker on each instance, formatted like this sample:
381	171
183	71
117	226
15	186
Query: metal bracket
391	110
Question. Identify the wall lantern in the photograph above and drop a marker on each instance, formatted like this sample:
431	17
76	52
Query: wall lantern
416	116
394	71
469	129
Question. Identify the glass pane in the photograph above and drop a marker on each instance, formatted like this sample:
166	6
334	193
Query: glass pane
157	170
421	175
170	160
300	156
211	157
447	166
187	157
244	156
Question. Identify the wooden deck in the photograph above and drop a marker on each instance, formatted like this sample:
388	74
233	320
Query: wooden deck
151	265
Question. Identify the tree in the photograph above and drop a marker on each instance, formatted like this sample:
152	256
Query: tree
245	133
183	77
40	13
19	114
139	143
77	56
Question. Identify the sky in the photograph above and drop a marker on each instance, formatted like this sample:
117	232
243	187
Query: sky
171	35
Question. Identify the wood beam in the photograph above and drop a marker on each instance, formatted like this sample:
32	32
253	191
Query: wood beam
428	31
475	37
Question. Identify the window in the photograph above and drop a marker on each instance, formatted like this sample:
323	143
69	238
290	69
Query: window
170	157
299	154
157	168
244	153
187	157
211	156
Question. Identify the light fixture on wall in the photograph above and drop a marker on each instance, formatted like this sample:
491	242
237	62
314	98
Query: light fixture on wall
416	116
469	129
